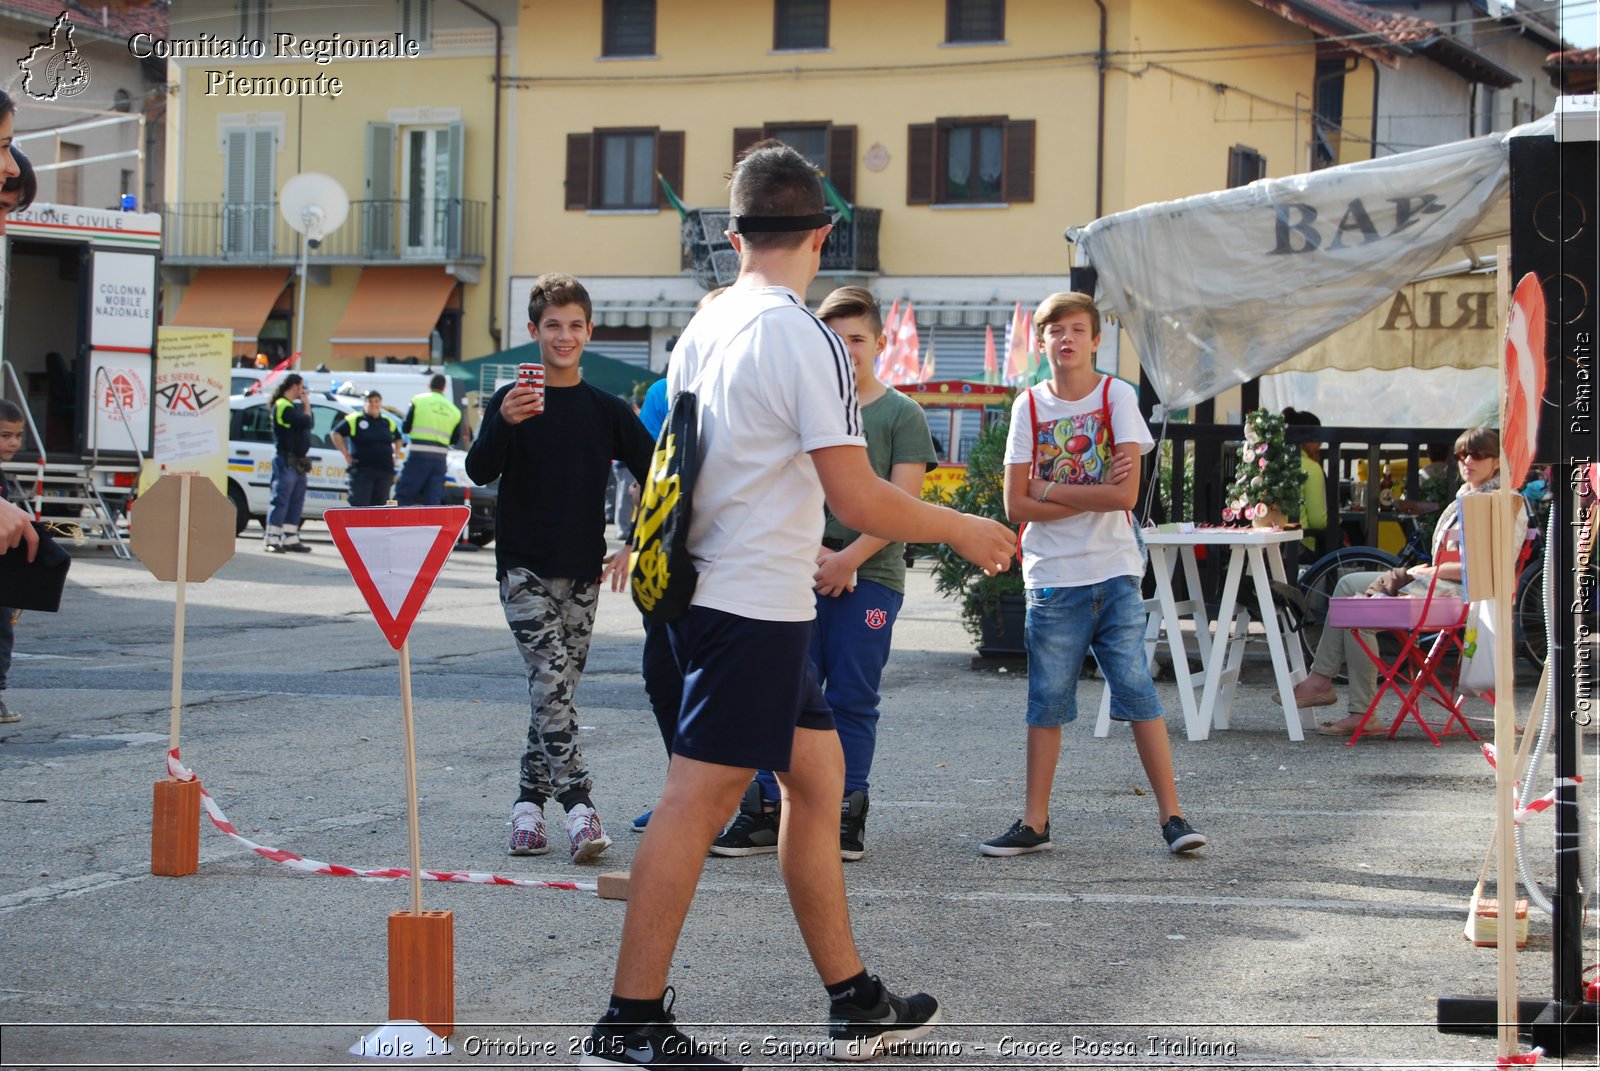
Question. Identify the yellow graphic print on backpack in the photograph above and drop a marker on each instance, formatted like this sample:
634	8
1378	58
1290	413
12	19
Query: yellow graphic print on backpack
651	571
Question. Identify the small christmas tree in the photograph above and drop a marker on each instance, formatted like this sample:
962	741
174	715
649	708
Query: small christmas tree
1269	472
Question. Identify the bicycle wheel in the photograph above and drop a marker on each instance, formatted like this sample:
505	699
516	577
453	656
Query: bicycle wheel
1323	575
1529	619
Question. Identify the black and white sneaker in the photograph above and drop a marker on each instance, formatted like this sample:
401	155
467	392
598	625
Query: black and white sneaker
1020	839
659	1044
1181	836
853	826
753	831
857	1034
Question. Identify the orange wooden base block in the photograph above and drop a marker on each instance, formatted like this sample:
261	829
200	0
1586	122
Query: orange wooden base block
613	885
175	828
422	969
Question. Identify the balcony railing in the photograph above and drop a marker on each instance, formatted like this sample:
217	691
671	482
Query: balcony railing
852	246
397	230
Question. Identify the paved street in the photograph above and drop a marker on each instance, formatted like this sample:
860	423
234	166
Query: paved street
1318	927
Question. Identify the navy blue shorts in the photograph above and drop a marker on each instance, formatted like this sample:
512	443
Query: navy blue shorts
747	685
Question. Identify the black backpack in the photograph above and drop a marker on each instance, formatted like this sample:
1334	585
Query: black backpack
662	577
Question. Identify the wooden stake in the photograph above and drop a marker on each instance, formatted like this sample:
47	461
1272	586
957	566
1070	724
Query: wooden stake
177	617
1504	550
175	812
1524	750
411	779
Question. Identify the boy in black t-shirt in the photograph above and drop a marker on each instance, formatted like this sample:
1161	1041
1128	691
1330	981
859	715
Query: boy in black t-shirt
552	450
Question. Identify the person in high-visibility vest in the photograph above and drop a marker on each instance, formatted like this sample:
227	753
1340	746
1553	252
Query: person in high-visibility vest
370	442
432	423
291	431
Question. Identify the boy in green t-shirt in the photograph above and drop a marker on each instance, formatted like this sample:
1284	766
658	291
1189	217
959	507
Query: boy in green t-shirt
860	584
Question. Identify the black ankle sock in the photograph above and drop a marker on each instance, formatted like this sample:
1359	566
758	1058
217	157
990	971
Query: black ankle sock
861	991
569	800
533	796
622	1010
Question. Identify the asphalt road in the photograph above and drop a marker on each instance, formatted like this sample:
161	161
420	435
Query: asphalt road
1318	928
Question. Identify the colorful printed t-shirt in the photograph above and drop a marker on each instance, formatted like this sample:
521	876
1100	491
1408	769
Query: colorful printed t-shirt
1074	445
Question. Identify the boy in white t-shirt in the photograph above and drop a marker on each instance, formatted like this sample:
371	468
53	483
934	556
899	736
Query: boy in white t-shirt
1073	437
779	428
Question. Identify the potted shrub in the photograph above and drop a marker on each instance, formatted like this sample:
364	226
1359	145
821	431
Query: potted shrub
992	607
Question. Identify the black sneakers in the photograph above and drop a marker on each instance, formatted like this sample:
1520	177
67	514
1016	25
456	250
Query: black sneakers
753	831
853	826
660	1044
860	1034
1181	836
1018	840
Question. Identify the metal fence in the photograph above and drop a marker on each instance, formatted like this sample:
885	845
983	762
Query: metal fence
396	230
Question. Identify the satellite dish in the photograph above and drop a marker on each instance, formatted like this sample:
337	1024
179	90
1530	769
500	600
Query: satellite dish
314	204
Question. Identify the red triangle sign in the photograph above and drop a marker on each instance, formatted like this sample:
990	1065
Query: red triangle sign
395	554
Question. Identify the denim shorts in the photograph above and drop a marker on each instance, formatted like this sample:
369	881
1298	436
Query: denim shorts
1063	625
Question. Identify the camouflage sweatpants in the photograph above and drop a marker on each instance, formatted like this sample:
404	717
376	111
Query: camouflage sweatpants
552	621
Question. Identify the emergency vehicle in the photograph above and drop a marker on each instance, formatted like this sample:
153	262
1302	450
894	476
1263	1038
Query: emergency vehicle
78	334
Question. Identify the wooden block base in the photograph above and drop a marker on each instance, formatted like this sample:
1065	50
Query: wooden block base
422	969
1485	924
175	828
613	886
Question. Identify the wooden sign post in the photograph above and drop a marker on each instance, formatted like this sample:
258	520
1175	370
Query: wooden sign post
394	555
182	532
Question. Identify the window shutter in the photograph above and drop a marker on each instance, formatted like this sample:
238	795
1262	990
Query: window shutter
1019	161
919	164
579	147
842	161
743	138
669	162
378	226
456	140
263	192
236	193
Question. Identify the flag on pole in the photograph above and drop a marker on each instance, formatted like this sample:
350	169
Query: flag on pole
927	373
672	198
836	199
1016	347
902	366
890	327
991	368
1034	353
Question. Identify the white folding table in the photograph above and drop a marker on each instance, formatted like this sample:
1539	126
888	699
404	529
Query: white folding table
1207	698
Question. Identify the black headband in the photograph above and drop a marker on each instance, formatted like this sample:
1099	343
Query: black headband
776	224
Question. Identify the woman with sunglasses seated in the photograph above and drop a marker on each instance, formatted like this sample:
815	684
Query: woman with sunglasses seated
1477	454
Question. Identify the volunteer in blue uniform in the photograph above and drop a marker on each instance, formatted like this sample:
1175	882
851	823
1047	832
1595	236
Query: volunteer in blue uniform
370	442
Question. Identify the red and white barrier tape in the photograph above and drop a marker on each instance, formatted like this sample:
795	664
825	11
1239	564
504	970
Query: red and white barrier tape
1545	802
1521	1059
177	769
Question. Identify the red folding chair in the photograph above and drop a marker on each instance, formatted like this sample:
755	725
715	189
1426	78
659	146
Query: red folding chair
1430	633
1419	626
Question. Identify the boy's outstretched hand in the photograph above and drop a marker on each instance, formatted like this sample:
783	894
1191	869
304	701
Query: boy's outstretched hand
985	543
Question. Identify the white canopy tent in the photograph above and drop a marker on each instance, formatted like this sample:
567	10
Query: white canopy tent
1220	288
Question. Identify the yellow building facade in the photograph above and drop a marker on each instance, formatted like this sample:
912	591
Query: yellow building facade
893	99
396	101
